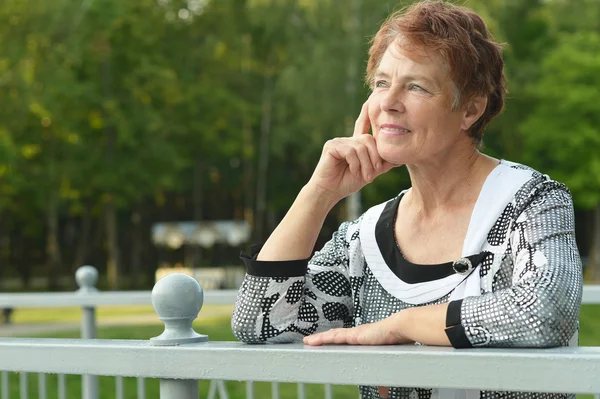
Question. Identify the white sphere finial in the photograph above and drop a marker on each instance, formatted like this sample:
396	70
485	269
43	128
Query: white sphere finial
177	299
86	278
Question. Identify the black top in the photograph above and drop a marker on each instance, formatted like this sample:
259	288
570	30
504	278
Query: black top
405	270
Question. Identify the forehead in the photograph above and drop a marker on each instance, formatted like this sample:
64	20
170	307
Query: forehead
400	59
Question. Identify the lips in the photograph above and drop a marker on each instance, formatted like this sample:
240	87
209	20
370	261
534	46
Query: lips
391	129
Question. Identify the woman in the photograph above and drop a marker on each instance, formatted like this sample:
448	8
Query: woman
479	252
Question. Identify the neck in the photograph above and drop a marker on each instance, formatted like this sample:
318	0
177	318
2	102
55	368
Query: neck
449	182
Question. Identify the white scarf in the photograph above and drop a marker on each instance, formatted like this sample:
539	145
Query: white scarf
497	192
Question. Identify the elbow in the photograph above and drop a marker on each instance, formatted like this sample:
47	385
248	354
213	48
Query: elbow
244	331
561	322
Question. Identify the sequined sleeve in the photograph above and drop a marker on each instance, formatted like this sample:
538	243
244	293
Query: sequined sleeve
540	306
285	301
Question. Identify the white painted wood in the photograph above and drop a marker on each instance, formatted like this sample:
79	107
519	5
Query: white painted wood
62	386
222	390
141	388
569	369
119	389
113	298
23	388
42	394
5	385
178	389
591	295
89	386
328	391
249	389
212	390
301	391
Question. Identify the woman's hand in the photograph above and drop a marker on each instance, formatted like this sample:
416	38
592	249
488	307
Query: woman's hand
347	164
384	332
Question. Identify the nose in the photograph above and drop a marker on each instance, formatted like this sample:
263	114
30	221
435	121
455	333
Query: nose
392	101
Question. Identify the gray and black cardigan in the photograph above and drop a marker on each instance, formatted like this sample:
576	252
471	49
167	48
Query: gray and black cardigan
529	277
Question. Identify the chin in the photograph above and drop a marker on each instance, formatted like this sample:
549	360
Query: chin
394	155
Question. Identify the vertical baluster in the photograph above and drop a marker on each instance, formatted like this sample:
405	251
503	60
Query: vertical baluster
212	390
141	388
5	386
177	299
62	386
328	391
249	390
222	390
301	392
275	390
119	387
23	385
42	386
86	277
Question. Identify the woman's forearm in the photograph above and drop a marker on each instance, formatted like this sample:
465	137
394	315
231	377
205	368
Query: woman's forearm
423	324
295	237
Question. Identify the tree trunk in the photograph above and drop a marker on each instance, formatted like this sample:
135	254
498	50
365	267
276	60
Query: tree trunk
17	258
593	266
263	159
353	202
198	205
83	246
136	249
53	255
248	175
113	263
248	142
5	248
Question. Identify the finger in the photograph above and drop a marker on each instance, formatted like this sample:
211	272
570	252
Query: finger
362	124
333	336
387	166
340	336
315	339
384	391
371	144
348	154
366	165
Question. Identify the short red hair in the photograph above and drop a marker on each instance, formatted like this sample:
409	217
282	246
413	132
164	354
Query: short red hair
460	35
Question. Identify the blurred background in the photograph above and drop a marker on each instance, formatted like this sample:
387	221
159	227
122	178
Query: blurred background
152	135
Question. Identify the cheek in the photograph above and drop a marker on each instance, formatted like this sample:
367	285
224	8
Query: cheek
373	111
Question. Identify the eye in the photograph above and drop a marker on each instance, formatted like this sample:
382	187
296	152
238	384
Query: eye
381	83
415	87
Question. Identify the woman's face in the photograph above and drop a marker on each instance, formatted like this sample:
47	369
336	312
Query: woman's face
410	108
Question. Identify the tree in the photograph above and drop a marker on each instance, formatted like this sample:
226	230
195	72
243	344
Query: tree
562	134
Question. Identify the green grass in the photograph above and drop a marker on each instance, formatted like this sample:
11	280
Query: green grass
73	314
217	328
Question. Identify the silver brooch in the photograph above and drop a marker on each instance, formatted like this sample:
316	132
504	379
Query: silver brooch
462	266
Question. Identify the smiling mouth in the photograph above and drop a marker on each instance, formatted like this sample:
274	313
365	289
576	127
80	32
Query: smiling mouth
393	130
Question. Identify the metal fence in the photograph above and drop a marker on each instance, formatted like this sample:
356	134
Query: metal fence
180	357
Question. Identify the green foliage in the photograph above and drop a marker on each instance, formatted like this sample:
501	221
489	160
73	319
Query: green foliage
144	101
561	135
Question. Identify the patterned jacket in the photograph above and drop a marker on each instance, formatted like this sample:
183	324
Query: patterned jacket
529	273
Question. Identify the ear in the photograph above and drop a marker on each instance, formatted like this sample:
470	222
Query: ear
473	111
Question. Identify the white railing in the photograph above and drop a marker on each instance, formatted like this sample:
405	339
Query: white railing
557	370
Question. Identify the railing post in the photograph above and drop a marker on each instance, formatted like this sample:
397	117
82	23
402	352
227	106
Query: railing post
177	299
86	277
